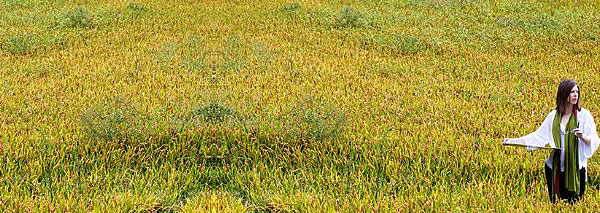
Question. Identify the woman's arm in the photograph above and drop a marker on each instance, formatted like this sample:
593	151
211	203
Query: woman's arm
541	137
588	135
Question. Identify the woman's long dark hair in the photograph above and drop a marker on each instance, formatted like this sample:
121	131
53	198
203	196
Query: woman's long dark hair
562	95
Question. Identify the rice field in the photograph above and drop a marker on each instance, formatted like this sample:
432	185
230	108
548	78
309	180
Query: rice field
292	106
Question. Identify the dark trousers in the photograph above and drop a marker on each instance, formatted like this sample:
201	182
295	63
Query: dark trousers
569	196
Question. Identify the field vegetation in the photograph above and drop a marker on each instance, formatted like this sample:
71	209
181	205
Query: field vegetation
300	106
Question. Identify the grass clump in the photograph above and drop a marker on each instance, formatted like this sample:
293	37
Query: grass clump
395	45
115	120
13	3
193	64
313	119
291	9
194	58
29	44
189	55
349	17
79	17
17	45
215	112
411	45
166	55
136	9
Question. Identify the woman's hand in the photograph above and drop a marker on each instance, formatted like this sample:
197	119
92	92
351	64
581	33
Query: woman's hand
513	141
579	133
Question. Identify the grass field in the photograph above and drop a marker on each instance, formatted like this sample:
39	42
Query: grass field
298	106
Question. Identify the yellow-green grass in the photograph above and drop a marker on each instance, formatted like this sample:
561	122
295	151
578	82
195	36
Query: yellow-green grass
303	106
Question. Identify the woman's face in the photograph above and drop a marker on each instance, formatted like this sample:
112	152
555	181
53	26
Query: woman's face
574	95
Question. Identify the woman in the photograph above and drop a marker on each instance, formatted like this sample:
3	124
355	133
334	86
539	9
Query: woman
572	129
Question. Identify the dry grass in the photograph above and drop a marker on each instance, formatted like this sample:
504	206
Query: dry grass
285	106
